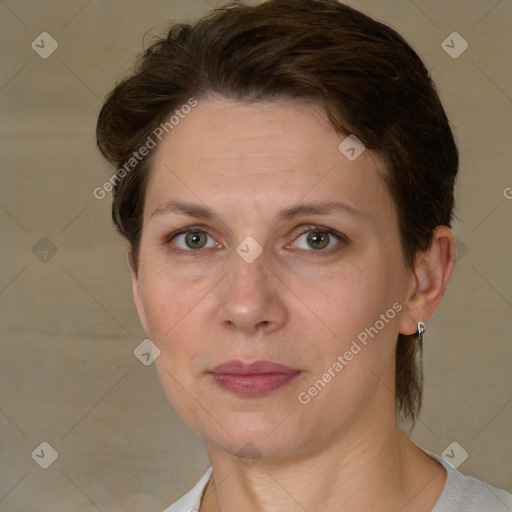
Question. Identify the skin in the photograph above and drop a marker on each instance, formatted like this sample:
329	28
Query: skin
293	305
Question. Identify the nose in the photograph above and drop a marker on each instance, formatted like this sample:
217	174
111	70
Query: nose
252	297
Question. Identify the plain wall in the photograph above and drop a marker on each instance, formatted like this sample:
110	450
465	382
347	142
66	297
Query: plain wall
68	374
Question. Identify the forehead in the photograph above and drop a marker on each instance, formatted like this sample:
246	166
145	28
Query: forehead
279	151
225	129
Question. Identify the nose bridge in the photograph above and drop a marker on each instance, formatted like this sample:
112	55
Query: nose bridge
249	296
250	275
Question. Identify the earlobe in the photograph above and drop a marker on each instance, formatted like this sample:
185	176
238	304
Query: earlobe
431	275
136	290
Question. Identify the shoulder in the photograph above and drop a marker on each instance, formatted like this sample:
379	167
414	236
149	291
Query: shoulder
190	501
468	494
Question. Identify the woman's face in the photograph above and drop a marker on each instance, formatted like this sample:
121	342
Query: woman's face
267	277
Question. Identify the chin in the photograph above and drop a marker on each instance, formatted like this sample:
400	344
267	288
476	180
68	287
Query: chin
255	448
254	435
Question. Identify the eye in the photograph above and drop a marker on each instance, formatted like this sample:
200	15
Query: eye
319	239
191	239
315	239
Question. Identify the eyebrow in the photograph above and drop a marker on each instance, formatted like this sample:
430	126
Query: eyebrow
206	213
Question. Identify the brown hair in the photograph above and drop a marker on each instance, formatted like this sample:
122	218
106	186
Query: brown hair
369	81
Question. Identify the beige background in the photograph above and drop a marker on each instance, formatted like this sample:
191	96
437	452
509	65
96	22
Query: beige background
68	374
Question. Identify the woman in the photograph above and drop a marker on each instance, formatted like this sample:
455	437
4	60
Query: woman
286	176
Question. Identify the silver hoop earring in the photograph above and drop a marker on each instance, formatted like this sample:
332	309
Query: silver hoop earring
421	330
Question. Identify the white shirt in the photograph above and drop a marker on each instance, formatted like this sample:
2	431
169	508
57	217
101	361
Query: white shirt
461	493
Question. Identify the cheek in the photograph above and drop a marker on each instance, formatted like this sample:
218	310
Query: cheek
168	294
164	305
351	299
177	317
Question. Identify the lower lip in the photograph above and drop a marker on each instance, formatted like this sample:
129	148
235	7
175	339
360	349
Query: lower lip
253	385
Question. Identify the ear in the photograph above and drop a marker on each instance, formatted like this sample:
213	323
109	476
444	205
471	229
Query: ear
432	272
134	274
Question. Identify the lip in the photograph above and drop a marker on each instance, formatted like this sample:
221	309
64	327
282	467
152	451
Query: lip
252	379
237	367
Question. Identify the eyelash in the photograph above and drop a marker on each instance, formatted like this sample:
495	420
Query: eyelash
309	228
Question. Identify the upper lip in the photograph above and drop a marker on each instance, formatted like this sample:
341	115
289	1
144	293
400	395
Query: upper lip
237	367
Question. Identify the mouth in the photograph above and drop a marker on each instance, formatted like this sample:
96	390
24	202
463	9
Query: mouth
252	379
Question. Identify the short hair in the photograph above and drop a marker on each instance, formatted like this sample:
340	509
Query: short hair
364	75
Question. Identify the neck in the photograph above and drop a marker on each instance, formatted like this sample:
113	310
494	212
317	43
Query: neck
381	470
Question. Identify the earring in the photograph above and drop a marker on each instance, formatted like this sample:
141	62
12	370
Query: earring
421	330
